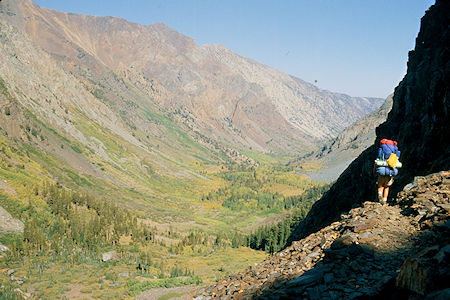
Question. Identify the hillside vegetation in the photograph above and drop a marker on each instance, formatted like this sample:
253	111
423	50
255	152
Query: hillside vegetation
70	221
132	158
68	231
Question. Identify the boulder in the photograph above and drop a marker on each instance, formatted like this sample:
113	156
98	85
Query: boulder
427	272
111	255
3	248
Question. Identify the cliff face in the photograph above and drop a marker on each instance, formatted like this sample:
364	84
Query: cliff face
419	121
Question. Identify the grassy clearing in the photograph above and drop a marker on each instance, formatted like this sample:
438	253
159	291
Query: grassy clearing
136	287
221	263
170	296
311	166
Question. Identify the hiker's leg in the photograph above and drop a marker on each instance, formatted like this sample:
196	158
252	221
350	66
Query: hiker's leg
385	193
389	182
380	188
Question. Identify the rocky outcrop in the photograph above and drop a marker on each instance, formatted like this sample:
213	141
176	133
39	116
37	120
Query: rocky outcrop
108	256
374	251
3	250
8	224
427	200
419	121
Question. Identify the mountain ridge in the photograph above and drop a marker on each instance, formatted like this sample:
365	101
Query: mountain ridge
214	89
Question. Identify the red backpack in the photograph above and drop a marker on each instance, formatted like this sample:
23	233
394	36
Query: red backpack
388	142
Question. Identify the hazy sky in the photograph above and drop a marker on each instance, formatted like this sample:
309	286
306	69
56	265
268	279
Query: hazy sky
358	47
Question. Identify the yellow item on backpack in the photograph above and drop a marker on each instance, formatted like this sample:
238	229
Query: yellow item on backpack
392	160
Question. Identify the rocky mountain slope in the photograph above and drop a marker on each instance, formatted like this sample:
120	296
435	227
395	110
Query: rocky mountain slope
220	96
374	251
335	156
359	135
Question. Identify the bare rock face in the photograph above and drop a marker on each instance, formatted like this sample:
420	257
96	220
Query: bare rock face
427	200
374	251
419	121
8	223
108	256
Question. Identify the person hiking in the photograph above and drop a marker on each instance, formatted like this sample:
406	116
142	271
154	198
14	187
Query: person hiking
386	166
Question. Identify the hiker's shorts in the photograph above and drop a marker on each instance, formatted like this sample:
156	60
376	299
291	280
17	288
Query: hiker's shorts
385	180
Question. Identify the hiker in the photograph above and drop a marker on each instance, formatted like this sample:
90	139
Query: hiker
386	166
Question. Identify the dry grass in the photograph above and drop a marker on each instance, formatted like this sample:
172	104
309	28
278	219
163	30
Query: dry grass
220	263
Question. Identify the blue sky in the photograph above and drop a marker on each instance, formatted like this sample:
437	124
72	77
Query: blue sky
358	47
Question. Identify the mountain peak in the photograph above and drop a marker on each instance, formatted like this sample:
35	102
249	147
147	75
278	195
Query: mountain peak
160	26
